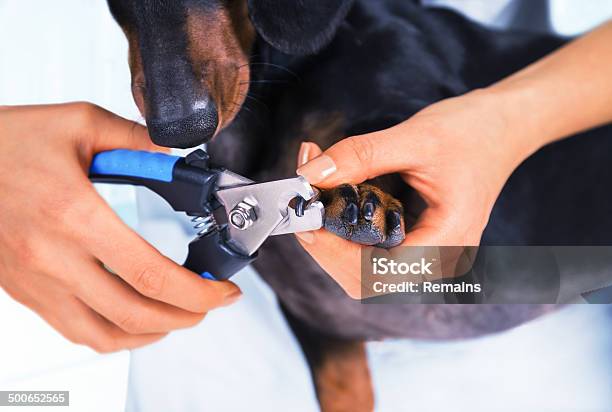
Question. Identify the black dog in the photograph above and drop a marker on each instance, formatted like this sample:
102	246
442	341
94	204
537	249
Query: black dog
263	75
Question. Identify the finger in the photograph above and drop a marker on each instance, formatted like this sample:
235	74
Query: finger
50	299
340	258
308	151
116	301
98	129
128	255
359	158
79	324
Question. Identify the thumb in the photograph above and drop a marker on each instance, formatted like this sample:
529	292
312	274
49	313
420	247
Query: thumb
308	151
359	158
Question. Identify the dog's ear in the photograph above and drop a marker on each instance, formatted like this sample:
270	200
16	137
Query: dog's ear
298	27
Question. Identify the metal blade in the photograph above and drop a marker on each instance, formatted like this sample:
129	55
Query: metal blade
266	207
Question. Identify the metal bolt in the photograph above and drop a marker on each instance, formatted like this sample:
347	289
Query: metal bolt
242	216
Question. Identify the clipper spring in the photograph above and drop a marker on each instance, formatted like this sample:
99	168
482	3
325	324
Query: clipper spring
204	224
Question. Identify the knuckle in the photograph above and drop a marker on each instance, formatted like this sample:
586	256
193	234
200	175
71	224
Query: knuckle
72	336
70	211
84	114
103	341
78	212
150	281
105	344
195	320
69	282
60	209
77	340
25	255
85	109
131	322
362	149
18	295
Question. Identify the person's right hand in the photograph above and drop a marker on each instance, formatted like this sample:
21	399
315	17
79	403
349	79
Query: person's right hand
57	233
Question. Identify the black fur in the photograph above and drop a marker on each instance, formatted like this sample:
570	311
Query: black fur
297	27
387	60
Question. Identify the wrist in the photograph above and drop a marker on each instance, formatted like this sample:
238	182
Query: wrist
524	127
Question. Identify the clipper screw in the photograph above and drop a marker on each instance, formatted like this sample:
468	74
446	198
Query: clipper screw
242	216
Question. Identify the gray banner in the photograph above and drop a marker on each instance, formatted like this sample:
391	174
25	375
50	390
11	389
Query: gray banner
488	274
34	398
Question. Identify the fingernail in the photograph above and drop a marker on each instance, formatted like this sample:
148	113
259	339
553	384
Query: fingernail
317	169
303	153
306	237
232	297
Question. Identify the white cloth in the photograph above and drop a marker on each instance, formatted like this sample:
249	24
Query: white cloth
245	358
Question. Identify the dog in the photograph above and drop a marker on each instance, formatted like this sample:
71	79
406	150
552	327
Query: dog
260	76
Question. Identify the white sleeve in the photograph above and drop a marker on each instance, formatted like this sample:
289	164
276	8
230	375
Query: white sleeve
564	17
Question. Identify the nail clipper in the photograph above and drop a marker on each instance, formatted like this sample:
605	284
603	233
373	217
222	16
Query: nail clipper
233	214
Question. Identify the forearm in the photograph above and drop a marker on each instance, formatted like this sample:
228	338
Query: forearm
566	92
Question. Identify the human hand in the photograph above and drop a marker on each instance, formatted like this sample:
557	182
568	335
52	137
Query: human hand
57	233
457	154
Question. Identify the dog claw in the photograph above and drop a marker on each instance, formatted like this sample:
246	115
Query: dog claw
299	206
368	211
394	220
351	213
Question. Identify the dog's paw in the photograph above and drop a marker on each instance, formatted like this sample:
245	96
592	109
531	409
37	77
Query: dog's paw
364	214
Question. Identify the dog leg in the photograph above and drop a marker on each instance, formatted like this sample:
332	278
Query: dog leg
339	369
364	214
342	378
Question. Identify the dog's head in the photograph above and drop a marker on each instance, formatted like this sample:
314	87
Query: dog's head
190	58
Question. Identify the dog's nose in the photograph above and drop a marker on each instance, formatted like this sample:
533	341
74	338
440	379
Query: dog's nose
182	125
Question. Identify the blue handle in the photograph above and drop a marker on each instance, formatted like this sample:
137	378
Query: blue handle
133	163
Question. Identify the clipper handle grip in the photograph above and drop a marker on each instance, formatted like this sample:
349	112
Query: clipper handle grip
187	188
134	164
212	258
